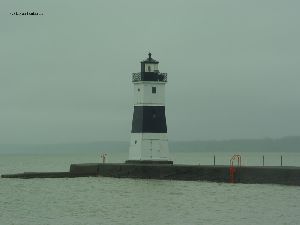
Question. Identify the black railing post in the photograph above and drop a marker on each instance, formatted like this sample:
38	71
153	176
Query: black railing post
281	160
214	160
263	160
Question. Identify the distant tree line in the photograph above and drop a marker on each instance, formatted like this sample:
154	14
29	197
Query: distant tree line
285	144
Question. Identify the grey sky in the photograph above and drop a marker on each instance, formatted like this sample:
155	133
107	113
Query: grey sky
233	68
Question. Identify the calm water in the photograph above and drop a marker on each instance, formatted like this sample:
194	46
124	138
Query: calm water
128	201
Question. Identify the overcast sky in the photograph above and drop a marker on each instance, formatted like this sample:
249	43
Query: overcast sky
233	68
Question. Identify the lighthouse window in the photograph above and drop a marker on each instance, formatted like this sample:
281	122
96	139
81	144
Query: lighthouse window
153	90
138	89
149	68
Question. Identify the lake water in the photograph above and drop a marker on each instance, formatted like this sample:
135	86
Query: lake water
98	200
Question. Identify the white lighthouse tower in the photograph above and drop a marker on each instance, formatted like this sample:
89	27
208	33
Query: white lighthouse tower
149	141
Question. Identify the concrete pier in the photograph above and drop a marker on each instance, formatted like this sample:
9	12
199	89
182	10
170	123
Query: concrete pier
30	175
247	175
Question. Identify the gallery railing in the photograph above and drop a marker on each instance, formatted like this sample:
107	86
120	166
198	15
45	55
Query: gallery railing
148	76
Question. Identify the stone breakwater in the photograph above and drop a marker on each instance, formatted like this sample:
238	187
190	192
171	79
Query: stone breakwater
247	175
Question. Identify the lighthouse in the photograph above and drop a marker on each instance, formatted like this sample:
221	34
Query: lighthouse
149	141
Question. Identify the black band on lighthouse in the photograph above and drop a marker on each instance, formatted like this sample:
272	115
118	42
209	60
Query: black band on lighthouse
149	119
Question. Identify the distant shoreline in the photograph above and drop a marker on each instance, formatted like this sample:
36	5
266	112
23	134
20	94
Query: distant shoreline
285	144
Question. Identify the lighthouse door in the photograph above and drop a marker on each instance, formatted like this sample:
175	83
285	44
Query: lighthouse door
155	145
147	146
151	149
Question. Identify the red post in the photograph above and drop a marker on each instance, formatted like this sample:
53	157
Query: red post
232	170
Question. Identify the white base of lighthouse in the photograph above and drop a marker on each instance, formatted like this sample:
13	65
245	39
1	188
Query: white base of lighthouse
149	146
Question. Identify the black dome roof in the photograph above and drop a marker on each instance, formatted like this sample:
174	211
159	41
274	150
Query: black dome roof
150	60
